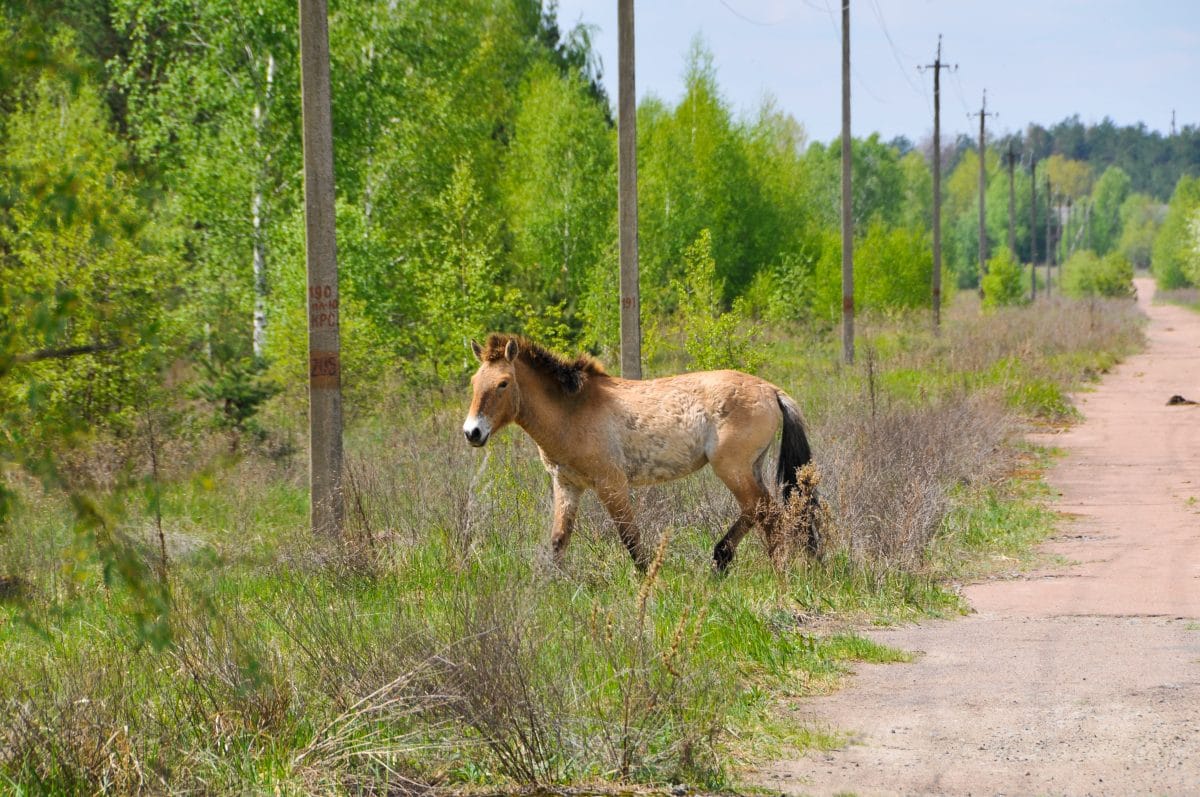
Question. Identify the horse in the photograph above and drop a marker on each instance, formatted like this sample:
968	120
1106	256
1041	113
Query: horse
603	433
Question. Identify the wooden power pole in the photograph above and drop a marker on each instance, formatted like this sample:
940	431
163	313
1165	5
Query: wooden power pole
320	247
983	115
631	325
1033	226
847	221
1012	202
937	66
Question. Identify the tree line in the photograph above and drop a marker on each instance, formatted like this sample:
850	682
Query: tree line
151	229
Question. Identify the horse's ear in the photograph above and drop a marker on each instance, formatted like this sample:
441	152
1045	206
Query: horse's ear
477	349
510	351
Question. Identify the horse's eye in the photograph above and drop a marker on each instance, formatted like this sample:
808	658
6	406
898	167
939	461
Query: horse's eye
503	384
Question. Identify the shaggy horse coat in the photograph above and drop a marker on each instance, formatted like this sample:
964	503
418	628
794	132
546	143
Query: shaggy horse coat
600	432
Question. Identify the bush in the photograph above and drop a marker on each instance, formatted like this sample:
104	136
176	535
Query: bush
893	267
1086	275
1003	285
713	338
1176	259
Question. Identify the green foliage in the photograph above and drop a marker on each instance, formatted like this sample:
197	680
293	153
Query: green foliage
458	280
1004	283
916	212
713	338
878	187
557	185
1085	274
1154	161
694	173
1174	253
549	327
1141	217
892	270
236	389
91	283
893	267
1108	197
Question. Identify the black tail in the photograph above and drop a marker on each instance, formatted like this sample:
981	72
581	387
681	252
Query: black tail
793	450
794	453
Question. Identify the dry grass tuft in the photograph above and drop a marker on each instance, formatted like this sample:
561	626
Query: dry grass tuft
888	476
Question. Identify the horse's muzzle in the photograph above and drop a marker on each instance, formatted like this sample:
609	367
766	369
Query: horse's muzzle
477	430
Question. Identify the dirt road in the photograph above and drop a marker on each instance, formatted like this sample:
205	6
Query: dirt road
1084	680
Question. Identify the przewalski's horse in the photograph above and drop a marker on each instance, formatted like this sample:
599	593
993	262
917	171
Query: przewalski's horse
599	432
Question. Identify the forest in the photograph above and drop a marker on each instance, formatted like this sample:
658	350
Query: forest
153	352
152	153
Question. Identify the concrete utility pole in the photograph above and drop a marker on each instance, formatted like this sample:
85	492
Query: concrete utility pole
1049	230
937	66
1012	202
631	325
983	115
320	247
1067	240
1033	226
847	221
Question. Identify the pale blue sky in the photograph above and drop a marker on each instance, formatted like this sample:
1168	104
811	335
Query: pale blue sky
1040	60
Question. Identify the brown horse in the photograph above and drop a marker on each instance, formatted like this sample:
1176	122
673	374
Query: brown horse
599	432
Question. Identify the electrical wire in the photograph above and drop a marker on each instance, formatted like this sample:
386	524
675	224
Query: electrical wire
895	52
837	32
958	89
745	18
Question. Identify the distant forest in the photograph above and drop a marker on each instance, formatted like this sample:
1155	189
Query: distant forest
1154	162
151	202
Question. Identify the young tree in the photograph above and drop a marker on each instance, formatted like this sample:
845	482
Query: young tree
1108	195
559	186
212	102
1141	217
1174	262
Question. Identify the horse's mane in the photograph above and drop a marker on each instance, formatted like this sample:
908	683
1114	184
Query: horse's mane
570	374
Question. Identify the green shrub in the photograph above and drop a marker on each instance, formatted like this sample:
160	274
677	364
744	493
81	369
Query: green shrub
713	338
1176	259
1003	285
1086	275
892	269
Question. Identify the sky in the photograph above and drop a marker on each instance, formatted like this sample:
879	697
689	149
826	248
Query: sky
1039	60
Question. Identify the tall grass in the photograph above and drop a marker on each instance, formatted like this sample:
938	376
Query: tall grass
441	648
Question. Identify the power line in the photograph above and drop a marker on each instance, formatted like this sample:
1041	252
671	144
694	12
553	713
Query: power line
745	18
837	33
962	97
895	51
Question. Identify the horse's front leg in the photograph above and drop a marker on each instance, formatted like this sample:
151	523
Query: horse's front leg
566	506
615	497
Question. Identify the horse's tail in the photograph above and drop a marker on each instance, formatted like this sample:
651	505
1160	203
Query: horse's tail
794	453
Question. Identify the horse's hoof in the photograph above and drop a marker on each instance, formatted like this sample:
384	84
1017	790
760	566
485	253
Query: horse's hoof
722	556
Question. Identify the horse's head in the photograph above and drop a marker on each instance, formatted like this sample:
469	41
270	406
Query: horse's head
495	398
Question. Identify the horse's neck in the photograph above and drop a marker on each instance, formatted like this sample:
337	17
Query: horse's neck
543	413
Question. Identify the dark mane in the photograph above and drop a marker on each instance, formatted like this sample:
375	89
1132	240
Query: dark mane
571	375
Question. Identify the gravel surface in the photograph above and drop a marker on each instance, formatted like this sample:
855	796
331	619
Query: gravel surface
1084	680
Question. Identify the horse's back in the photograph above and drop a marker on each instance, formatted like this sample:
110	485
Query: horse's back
666	428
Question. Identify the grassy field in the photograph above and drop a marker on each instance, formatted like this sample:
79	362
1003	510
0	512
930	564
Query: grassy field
441	648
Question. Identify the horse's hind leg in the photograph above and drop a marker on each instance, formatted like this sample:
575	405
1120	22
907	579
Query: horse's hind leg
723	553
616	500
745	482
